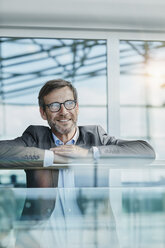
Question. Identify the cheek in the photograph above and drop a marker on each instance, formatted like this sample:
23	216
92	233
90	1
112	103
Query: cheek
50	116
53	117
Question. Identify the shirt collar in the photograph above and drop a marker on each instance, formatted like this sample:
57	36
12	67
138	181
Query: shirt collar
73	141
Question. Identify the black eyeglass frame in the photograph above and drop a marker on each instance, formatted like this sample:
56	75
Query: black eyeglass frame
60	103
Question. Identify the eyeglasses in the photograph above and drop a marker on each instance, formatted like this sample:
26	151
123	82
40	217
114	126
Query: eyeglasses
56	106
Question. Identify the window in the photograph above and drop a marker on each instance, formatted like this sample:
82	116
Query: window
27	63
142	91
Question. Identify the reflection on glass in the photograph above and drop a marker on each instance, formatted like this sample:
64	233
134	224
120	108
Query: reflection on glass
84	217
142	93
61	218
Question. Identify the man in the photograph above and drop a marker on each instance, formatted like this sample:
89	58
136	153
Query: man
40	146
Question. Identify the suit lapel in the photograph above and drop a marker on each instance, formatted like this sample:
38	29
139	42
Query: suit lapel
54	172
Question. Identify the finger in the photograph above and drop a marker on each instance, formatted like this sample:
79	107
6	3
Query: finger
62	153
66	154
56	148
61	159
62	148
71	149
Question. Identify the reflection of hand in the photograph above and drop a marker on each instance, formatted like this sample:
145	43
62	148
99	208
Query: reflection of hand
70	151
58	159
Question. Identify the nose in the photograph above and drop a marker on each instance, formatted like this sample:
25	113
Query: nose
63	110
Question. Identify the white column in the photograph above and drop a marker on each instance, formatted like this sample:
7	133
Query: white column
113	71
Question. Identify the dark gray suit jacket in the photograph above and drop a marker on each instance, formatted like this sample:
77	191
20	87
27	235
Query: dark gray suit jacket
28	151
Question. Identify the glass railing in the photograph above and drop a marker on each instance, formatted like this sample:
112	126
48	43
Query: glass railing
114	203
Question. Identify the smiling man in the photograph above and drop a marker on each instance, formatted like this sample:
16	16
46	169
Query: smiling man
41	146
60	109
59	106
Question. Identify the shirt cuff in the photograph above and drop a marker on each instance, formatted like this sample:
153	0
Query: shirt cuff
96	153
48	158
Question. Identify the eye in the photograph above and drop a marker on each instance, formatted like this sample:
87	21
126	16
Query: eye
54	106
70	104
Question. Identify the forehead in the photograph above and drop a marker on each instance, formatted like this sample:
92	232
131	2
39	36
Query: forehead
59	95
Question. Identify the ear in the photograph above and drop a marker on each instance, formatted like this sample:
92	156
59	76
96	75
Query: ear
43	114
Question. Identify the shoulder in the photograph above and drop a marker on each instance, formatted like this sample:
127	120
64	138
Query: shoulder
98	133
92	135
88	128
34	135
36	130
91	128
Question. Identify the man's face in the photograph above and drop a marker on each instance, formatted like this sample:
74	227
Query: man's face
64	121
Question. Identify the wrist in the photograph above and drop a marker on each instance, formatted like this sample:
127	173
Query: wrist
48	158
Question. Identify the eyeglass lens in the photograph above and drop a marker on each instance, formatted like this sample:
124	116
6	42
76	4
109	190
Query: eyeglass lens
56	106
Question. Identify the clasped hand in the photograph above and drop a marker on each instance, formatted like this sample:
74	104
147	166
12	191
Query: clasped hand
71	151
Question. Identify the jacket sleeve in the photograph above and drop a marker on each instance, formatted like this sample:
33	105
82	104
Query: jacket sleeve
124	148
14	154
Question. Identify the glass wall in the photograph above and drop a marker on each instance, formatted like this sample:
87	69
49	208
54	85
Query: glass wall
142	91
27	63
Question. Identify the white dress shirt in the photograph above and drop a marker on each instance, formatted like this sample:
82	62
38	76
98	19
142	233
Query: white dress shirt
66	176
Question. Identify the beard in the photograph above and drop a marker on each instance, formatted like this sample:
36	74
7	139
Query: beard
61	129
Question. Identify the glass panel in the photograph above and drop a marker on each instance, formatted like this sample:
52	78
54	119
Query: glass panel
128	213
93	115
27	63
142	94
137	127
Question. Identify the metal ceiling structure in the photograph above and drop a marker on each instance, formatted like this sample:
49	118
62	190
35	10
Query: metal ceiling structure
26	63
135	55
75	60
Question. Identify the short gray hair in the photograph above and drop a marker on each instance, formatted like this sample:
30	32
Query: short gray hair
52	85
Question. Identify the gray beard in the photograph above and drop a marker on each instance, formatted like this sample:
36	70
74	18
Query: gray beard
60	130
